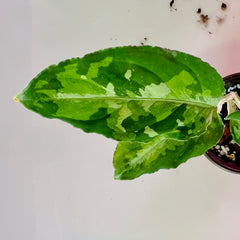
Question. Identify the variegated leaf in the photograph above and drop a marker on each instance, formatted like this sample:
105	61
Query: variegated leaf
146	96
128	93
132	159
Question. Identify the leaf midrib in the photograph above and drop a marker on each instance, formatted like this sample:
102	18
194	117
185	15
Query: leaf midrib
199	104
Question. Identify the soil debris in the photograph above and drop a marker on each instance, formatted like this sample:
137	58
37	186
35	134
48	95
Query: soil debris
231	157
226	148
143	42
204	19
207	18
220	20
172	5
224	6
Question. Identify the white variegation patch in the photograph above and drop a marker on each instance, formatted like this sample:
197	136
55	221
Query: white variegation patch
150	132
110	90
179	123
155	91
68	95
131	94
128	74
83	77
210	117
147	104
112	105
124	113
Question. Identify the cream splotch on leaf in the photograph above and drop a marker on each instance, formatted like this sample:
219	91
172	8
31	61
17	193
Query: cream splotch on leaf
156	102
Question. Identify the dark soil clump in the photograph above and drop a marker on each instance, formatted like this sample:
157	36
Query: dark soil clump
224	6
204	18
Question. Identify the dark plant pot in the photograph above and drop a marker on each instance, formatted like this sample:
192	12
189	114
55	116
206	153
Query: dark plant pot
232	83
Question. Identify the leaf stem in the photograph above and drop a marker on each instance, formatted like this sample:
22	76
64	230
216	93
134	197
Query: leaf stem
232	99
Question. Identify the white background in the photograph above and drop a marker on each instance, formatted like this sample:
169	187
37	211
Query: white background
56	182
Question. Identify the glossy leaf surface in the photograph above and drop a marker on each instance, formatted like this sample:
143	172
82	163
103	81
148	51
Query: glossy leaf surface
235	130
133	94
235	125
234	116
132	159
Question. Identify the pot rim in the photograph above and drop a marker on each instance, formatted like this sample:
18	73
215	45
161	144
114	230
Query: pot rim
232	167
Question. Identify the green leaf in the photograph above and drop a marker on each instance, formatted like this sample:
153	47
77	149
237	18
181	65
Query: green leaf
235	130
128	93
235	125
160	103
132	159
234	116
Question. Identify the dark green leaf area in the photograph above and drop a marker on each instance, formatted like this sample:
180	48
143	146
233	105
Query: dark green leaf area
184	122
100	114
132	125
96	126
126	78
132	159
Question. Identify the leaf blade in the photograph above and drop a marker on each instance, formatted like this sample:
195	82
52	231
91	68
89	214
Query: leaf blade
132	159
235	129
233	116
119	86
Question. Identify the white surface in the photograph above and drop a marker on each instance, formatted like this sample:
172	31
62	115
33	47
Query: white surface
56	182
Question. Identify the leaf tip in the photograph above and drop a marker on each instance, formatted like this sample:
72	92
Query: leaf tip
15	98
18	98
